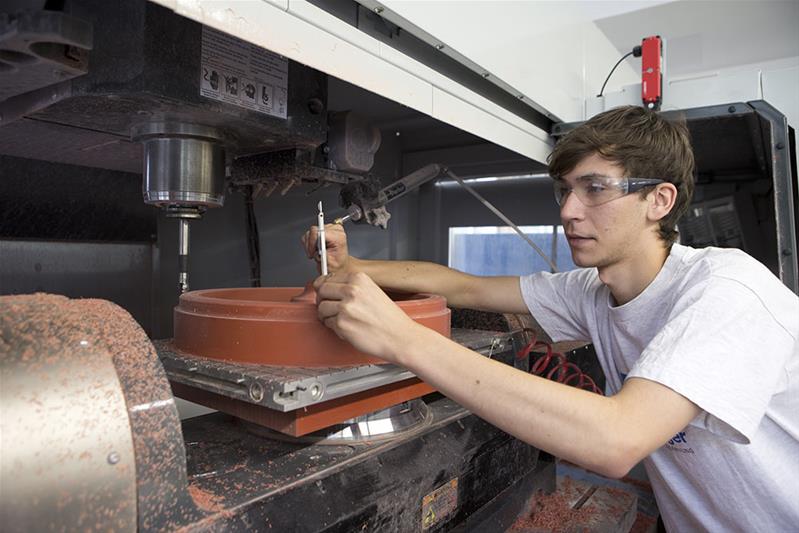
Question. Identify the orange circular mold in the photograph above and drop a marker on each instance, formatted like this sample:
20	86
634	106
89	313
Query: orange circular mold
264	326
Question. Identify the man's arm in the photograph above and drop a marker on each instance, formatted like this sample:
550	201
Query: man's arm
605	434
608	435
499	294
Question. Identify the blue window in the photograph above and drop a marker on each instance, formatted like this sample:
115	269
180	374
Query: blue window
499	251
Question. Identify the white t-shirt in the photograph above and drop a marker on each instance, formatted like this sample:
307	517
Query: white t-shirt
718	328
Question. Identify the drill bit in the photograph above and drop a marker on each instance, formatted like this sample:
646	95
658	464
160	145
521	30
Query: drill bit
354	213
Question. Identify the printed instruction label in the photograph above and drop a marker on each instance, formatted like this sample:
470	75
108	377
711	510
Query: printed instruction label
239	73
440	505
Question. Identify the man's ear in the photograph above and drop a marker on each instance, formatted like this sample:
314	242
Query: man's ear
661	200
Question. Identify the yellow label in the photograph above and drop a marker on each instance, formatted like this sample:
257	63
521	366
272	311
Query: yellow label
440	504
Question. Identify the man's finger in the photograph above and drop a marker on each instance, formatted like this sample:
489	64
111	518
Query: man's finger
310	241
328	309
332	323
333	277
332	290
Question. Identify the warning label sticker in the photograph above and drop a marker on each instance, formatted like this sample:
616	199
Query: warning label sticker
242	74
440	504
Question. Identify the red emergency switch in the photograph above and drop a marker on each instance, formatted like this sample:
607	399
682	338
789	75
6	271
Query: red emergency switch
652	71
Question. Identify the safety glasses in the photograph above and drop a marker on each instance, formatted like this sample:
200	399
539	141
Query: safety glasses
596	189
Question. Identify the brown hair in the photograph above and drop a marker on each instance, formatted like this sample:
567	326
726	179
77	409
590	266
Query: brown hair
644	144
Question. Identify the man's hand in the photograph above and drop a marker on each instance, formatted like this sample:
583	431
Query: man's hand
358	311
338	259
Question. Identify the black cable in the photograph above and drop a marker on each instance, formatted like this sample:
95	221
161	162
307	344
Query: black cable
634	52
253	242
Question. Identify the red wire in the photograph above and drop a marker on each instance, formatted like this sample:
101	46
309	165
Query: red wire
563	372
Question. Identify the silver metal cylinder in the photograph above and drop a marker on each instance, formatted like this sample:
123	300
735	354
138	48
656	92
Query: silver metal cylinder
184	164
183	243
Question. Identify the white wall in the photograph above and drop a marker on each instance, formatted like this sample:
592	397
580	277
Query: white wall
776	81
706	35
717	52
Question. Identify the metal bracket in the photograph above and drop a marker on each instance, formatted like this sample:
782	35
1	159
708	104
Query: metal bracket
290	388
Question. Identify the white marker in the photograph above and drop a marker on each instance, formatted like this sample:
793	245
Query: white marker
320	220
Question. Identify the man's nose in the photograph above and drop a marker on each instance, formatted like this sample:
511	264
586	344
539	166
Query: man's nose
571	208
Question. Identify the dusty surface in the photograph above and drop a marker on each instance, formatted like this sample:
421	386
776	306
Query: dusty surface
605	509
62	416
644	524
37	323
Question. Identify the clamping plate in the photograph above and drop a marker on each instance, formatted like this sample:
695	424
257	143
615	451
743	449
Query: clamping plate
289	388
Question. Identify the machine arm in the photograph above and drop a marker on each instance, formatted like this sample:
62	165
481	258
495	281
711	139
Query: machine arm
365	204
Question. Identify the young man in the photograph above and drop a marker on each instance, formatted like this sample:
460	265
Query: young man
699	347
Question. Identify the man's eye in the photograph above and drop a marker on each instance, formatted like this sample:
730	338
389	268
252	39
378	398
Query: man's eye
594	187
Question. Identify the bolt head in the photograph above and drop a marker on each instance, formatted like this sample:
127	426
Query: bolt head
256	392
113	458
